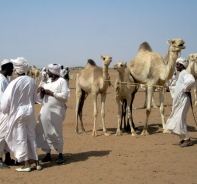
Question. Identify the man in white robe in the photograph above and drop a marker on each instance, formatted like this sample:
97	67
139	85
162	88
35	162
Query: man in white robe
176	122
49	133
173	84
18	102
6	70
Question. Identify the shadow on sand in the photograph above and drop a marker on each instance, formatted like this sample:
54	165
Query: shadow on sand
73	157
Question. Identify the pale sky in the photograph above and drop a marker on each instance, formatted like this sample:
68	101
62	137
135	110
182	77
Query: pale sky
69	32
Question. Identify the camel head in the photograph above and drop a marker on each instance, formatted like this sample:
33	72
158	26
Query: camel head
120	66
106	60
176	45
192	57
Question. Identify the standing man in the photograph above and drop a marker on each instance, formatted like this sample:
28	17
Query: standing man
176	122
18	102
49	133
6	70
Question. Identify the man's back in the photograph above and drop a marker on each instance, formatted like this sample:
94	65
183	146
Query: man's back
20	92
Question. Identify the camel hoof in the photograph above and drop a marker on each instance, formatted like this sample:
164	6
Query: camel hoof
76	131
133	134
107	134
144	133
166	132
94	134
119	133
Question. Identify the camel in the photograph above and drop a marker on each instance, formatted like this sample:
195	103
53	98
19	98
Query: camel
124	91
35	73
192	68
151	69
92	79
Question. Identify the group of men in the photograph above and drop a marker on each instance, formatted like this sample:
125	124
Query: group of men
19	132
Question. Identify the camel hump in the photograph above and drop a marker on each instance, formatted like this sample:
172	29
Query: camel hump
91	62
145	47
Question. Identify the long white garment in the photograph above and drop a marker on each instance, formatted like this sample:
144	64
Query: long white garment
18	102
172	85
3	117
176	122
49	128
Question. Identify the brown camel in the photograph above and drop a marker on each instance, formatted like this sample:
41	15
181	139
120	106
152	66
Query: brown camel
150	68
92	79
192	68
124	91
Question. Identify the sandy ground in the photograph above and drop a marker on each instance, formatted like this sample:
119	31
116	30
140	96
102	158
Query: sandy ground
116	159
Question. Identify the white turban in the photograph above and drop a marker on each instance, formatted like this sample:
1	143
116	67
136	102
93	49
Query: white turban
54	68
20	65
5	61
182	61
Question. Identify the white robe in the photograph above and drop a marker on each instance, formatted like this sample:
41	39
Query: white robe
176	122
3	117
18	101
172	85
49	128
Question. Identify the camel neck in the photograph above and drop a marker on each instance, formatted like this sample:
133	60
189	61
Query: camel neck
105	72
170	66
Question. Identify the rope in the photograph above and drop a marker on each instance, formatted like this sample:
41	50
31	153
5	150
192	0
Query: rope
136	84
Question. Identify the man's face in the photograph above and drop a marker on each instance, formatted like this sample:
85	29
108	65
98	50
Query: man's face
179	67
49	73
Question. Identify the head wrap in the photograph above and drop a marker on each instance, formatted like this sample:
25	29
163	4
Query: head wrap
182	61
5	61
54	68
20	65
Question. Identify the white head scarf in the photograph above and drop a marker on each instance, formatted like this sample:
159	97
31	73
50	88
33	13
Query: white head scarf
55	69
20	65
5	61
182	61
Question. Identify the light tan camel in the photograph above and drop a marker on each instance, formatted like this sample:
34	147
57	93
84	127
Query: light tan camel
35	73
192	68
92	79
149	68
124	91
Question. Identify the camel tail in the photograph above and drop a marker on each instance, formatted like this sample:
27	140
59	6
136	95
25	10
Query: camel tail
145	47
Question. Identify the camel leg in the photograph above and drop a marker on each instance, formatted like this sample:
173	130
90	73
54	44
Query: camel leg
103	97
129	115
80	97
162	111
148	110
120	110
95	113
145	101
153	103
195	94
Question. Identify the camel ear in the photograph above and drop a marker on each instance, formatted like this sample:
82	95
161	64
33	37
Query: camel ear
125	64
169	42
102	57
